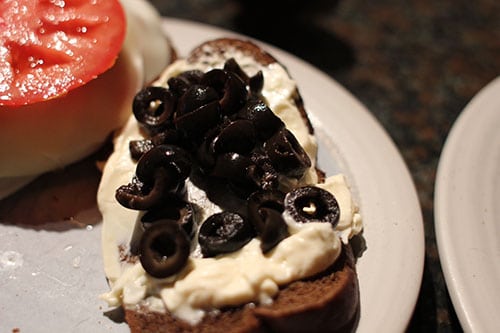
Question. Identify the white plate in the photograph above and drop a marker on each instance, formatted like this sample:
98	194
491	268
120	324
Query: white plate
467	212
62	275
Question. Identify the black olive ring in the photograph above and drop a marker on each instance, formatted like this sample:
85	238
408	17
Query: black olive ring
164	249
153	106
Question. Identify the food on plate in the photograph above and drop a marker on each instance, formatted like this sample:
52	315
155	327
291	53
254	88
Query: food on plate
68	73
215	215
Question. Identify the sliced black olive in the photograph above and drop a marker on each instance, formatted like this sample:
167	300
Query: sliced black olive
263	173
169	136
215	79
160	174
136	195
263	179
224	232
131	195
266	123
230	87
231	166
164	249
138	148
176	210
232	66
275	231
204	152
248	173
286	154
153	107
166	157
179	84
238	136
235	95
235	168
192	76
312	204
256	83
195	97
264	199
264	211
195	123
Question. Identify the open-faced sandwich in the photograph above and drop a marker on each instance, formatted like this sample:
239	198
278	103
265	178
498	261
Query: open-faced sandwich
216	217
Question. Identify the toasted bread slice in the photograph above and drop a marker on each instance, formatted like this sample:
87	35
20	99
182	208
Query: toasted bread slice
326	302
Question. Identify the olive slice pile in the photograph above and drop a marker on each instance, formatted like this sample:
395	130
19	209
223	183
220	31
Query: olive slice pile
218	125
217	113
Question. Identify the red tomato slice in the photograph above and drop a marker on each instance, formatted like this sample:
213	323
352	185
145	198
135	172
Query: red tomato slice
48	47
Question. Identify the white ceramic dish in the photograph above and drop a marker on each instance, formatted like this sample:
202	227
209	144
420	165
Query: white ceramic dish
59	273
467	212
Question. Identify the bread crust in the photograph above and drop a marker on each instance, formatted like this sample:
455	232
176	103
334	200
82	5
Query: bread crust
327	302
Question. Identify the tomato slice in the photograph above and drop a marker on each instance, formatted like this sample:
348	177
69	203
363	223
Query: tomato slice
48	47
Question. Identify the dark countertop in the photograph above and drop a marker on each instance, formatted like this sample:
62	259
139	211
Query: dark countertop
414	64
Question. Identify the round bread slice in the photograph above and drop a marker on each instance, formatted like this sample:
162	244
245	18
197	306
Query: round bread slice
326	302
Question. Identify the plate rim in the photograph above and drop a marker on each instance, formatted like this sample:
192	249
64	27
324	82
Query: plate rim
467	312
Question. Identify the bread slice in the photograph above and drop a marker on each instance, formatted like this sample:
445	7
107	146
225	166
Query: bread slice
326	302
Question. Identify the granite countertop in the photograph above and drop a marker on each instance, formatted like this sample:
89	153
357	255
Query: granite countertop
414	64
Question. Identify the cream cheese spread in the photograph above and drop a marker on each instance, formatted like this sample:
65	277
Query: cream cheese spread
245	276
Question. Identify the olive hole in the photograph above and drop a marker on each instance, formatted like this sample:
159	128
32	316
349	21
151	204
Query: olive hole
156	107
311	208
163	247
